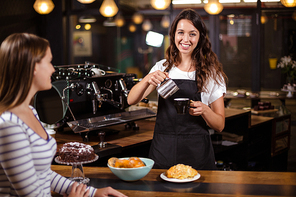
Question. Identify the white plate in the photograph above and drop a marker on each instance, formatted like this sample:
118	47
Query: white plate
164	177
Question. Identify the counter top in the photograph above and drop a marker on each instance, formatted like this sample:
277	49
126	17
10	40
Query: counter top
210	184
128	137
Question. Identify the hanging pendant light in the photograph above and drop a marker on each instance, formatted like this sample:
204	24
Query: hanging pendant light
289	3
147	25
86	1
137	18
160	4
43	6
165	21
213	7
108	8
87	26
119	20
132	27
264	18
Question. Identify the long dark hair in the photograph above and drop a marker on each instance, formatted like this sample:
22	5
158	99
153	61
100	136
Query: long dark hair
205	60
19	54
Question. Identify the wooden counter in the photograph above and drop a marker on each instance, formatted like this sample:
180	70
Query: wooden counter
122	137
128	142
128	137
210	184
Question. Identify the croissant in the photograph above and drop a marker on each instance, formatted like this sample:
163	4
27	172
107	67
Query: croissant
132	162
181	171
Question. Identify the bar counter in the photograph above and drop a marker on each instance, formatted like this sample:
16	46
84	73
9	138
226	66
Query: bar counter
210	184
127	138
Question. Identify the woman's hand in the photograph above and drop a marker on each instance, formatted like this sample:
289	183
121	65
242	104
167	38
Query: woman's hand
145	86
78	191
156	77
197	108
214	115
108	191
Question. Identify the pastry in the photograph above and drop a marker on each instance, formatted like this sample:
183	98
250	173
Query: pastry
132	162
181	171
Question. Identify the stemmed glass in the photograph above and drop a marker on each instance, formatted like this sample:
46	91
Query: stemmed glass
77	169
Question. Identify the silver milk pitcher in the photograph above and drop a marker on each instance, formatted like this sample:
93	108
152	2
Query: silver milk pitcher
167	88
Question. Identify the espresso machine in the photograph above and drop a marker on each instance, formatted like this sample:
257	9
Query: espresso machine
88	97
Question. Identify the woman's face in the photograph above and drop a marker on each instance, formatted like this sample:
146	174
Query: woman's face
43	71
186	37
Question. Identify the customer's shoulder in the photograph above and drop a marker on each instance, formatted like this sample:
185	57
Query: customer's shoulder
8	118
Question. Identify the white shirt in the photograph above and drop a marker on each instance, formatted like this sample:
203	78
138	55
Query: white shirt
214	90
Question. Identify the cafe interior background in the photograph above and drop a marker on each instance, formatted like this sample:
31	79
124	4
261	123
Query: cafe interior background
246	35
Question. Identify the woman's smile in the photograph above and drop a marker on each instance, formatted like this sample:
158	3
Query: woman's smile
185	46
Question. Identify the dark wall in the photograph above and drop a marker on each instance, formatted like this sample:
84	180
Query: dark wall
17	16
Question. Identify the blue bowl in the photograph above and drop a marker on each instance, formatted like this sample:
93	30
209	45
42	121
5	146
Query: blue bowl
133	174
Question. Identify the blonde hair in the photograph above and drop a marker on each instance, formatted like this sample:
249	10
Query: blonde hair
19	54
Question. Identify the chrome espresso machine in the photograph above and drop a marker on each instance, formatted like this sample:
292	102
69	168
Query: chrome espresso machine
88	97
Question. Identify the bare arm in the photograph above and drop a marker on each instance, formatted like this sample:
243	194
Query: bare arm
214	116
145	86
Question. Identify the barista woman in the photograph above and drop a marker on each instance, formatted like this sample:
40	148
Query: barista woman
194	67
26	149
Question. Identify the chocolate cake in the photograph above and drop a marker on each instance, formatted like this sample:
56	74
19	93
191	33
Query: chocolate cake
76	152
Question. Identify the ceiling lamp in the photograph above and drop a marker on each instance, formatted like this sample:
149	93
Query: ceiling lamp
119	20
160	4
264	18
137	18
289	3
109	22
165	21
213	7
132	28
108	8
87	19
87	26
147	25
43	6
86	1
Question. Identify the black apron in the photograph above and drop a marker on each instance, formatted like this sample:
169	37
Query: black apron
181	139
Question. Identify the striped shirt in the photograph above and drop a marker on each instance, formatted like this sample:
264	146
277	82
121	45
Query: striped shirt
26	159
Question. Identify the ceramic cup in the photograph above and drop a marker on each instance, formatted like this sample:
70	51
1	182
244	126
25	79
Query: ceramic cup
98	72
181	105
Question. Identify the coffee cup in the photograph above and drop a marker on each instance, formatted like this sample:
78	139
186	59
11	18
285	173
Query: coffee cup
181	105
97	72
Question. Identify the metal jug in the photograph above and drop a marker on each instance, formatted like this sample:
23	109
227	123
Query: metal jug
167	88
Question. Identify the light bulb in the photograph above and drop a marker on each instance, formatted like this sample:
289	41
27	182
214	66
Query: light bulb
43	6
132	28
147	25
289	3
108	8
213	7
165	21
119	20
87	26
160	4
86	1
137	18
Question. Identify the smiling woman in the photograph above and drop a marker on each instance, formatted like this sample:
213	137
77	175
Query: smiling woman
194	67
